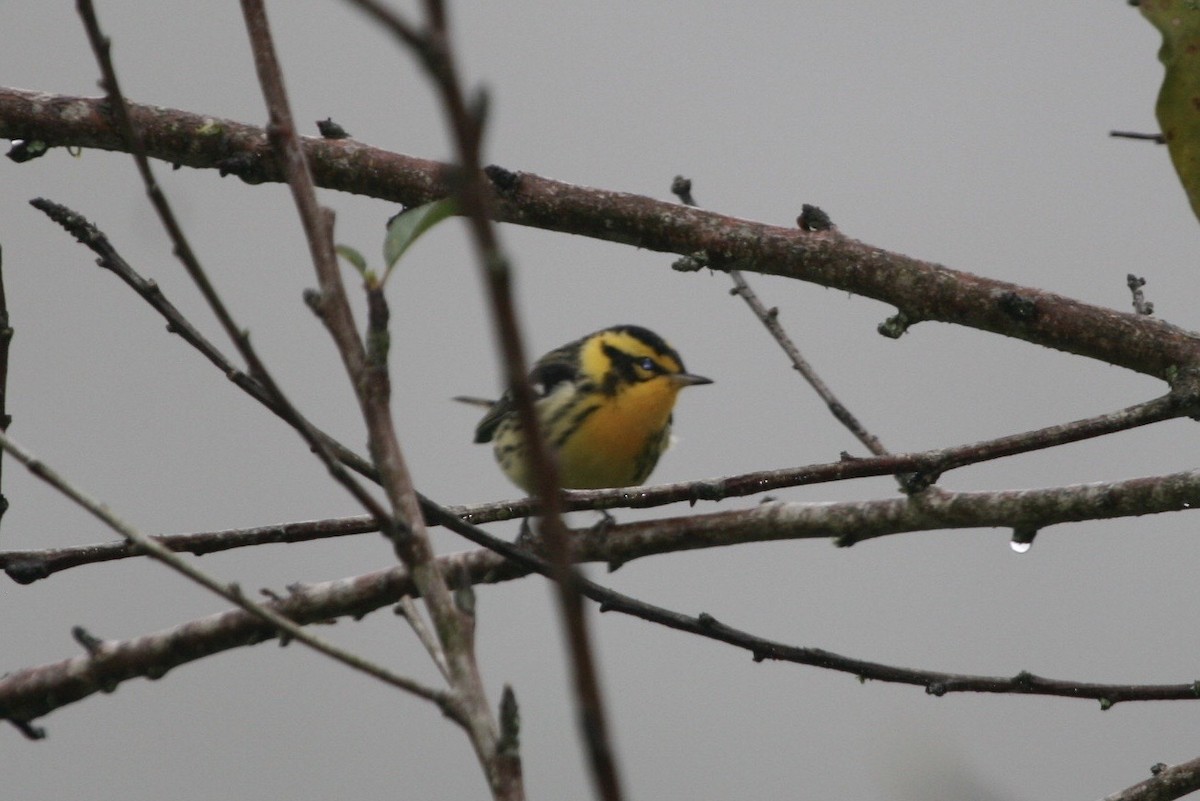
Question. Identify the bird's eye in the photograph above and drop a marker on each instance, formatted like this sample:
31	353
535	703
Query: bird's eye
648	365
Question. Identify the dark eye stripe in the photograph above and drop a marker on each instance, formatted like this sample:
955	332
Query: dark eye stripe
626	365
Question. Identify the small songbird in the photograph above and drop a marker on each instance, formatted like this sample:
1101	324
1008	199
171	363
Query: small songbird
604	404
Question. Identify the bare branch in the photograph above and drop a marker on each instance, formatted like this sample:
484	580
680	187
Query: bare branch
682	188
33	692
1167	783
923	291
28	566
851	522
25	567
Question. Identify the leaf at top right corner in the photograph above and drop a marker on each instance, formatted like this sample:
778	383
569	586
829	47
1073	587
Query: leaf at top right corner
1178	107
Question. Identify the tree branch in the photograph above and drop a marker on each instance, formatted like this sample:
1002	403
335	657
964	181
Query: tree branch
34	692
279	624
851	522
1167	783
922	291
27	566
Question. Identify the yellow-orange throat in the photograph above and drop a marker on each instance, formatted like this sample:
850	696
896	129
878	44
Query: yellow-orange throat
620	440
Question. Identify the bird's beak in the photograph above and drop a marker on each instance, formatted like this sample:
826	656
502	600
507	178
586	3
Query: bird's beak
687	379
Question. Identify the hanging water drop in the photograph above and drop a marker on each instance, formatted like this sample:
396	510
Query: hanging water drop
1022	539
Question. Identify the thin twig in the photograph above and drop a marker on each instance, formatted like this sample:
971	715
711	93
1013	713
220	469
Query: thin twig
850	522
96	240
416	621
682	188
770	319
1171	492
1157	138
183	250
230	592
318	226
33	692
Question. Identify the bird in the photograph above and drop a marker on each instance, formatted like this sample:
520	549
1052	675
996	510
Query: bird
604	403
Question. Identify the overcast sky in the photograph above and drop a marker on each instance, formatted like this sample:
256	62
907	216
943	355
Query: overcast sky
974	135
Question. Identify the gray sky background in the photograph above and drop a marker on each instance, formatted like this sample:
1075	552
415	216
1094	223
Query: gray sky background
975	135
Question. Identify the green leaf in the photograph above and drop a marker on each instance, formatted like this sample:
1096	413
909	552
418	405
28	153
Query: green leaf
354	257
1178	113
407	226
